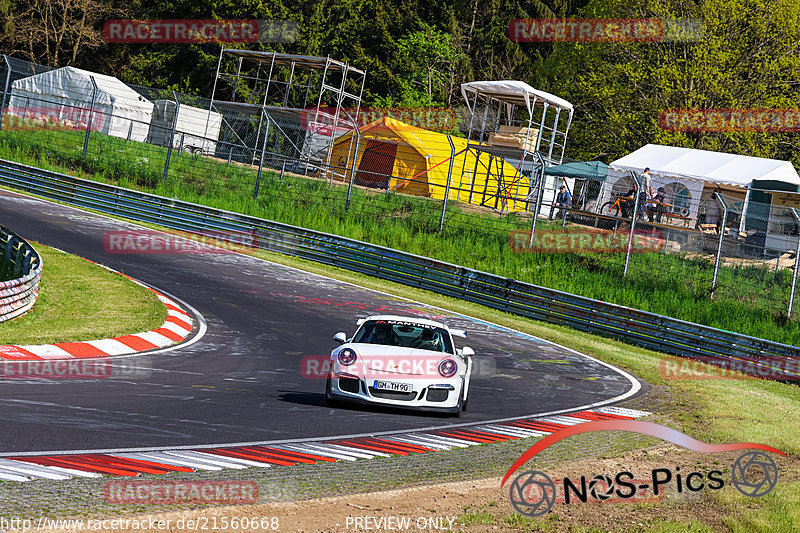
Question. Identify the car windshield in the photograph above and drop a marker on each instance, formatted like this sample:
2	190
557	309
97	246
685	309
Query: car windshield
405	334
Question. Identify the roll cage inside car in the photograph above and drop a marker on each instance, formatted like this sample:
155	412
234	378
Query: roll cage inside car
405	334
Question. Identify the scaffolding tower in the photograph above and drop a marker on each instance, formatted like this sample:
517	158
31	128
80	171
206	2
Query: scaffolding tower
524	126
290	107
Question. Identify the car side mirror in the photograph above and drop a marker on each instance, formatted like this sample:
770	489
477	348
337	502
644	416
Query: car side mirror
340	337
467	351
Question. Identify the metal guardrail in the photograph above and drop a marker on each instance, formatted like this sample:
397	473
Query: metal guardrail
642	328
20	262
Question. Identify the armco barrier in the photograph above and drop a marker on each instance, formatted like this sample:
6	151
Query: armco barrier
638	327
22	263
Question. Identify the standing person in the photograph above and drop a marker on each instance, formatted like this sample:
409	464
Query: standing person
563	202
646	197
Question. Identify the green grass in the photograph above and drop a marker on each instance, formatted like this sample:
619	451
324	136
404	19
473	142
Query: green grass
80	301
749	300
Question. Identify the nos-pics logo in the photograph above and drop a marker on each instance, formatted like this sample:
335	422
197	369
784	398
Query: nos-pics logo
533	493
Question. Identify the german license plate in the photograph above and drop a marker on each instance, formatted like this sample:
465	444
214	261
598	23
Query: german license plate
389	385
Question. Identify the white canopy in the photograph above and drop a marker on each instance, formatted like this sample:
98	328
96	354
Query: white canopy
672	162
513	92
65	94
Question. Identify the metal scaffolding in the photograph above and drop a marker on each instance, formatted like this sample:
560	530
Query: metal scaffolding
294	106
522	125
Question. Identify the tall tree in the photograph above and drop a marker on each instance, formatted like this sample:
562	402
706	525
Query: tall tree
747	56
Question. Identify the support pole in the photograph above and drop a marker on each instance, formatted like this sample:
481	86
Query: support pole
449	180
352	171
172	135
214	90
796	217
719	199
263	151
91	116
536	204
5	90
633	221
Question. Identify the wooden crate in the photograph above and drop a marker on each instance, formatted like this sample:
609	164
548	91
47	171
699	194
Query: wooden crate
514	137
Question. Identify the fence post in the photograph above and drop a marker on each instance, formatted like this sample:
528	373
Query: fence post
719	199
91	116
261	160
449	180
172	135
536	204
5	90
638	193
352	171
796	218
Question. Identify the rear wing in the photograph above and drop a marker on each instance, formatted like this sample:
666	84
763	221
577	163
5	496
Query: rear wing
459	333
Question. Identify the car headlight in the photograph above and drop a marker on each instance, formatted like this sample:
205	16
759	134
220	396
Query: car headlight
347	357
448	368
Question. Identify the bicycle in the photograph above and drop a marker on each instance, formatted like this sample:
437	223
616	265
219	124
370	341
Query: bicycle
623	204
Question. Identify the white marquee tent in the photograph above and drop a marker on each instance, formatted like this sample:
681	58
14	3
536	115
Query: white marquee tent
64	95
690	171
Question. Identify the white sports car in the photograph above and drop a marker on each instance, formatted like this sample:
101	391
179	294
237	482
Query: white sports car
402	362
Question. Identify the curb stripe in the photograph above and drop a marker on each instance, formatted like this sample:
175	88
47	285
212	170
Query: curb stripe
137	343
129	464
80	349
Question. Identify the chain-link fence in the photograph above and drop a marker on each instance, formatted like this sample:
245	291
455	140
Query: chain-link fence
392	183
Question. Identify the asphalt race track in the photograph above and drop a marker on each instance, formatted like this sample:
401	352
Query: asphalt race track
244	380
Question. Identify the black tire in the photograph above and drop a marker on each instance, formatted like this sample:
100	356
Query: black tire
611	207
329	401
186	149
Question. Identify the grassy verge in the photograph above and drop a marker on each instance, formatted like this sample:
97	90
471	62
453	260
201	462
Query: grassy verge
748	300
80	301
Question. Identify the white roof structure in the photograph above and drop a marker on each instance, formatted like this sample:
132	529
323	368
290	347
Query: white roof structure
513	92
65	94
703	165
75	84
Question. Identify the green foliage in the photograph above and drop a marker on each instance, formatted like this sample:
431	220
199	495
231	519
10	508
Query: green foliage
746	57
428	59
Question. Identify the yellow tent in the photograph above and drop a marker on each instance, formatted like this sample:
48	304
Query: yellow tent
396	156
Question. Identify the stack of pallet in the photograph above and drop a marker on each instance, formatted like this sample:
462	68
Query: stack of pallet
514	137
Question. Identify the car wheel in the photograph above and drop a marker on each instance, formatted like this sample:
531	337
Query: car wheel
330	402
